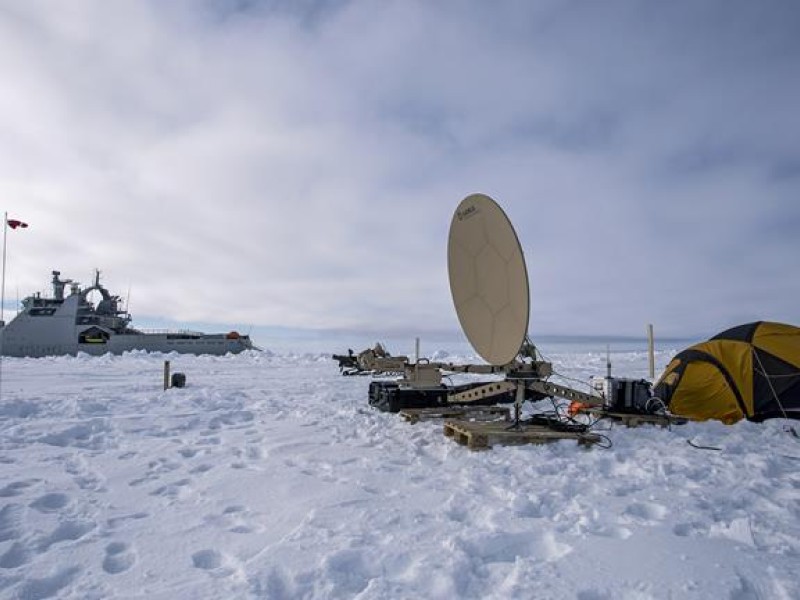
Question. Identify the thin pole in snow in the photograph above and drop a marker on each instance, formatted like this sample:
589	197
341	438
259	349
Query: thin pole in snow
3	301
3	287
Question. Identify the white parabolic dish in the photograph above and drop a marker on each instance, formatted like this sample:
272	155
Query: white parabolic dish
488	279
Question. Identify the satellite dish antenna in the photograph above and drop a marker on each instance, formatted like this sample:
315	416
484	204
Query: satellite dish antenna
489	284
488	279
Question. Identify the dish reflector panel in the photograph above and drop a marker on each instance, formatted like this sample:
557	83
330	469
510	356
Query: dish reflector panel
488	279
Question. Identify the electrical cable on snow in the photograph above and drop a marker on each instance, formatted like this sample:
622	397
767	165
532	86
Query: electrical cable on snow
605	446
701	447
557	421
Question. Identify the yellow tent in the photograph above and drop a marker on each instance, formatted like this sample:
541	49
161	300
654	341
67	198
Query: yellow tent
751	371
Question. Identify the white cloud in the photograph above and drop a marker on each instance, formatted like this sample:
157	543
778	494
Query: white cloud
298	164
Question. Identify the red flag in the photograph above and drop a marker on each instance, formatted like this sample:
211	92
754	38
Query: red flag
14	223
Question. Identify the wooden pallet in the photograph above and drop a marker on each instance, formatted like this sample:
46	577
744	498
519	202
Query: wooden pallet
466	413
481	436
632	419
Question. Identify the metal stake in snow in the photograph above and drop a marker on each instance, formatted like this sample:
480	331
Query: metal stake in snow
166	374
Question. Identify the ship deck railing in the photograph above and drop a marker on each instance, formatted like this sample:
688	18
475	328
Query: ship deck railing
169	331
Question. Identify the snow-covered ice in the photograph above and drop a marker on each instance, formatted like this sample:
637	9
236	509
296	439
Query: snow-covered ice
268	476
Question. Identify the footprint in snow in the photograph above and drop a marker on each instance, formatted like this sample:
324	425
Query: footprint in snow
119	558
207	559
48	587
15	488
176	490
201	469
84	477
114	522
188	452
11	517
611	531
236	419
594	595
213	440
649	512
155	469
626	489
215	563
67	531
691	529
235	518
16	556
351	571
52	502
507	547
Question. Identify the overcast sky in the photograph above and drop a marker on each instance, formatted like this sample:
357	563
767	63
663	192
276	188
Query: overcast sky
297	163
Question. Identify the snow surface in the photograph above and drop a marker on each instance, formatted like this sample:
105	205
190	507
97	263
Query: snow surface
268	476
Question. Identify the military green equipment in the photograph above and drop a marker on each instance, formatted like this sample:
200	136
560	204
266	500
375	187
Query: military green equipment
369	361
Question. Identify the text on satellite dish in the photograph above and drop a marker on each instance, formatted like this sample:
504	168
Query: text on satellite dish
468	212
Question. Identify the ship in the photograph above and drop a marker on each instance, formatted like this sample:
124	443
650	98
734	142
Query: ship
70	324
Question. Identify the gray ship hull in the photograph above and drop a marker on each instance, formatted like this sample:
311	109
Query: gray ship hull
68	325
149	342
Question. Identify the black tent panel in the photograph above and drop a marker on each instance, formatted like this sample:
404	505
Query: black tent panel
774	377
740	333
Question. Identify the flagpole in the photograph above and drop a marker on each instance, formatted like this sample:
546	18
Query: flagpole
3	287
3	301
14	224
